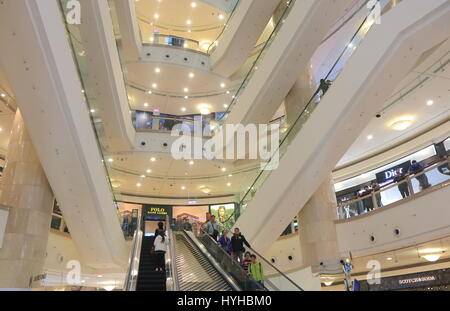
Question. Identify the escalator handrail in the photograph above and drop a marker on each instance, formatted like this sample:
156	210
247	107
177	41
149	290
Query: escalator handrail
276	269
172	272
227	255
133	261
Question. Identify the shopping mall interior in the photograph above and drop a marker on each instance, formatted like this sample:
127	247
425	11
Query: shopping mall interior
118	173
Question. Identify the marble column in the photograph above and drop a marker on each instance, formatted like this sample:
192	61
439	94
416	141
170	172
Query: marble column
317	231
299	96
27	192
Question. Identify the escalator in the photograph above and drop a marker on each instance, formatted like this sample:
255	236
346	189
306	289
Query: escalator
148	278
195	271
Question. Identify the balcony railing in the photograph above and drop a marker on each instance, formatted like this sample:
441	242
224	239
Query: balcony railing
410	187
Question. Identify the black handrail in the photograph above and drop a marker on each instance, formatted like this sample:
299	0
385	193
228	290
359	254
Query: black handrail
276	269
224	253
262	257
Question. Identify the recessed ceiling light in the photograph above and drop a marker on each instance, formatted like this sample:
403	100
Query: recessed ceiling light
229	184
110	160
138	185
223	169
183	188
1	129
99	276
430	102
205	111
402	123
152	39
156	16
145	104
3	95
191	75
191	162
221	16
225	106
189	22
183	109
228	92
350	45
194	4
153	159
230	175
389	258
370	137
150	92
189	30
92	110
185	90
142	176
149	171
186	97
222	85
157	70
154	85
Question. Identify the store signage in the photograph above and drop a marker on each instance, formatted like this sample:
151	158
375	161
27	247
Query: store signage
156	212
417	280
389	174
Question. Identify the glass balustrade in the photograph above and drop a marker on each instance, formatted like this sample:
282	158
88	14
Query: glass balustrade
435	176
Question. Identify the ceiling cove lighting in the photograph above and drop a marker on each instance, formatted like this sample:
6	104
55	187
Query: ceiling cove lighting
401	123
431	254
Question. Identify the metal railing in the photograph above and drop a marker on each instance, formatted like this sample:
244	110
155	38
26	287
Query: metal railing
172	282
407	188
133	261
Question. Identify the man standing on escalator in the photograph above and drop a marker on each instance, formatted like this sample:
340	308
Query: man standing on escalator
237	245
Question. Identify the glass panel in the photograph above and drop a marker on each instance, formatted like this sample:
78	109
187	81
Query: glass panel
435	176
232	267
56	222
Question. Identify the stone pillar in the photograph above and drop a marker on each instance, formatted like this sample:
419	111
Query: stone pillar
27	192
299	95
317	231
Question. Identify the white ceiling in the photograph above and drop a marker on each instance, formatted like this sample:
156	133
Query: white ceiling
173	15
413	105
168	176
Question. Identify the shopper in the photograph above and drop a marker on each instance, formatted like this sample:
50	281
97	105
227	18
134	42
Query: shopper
225	242
256	270
160	228
417	168
160	248
237	245
324	86
187	225
402	185
367	201
212	227
375	188
247	261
